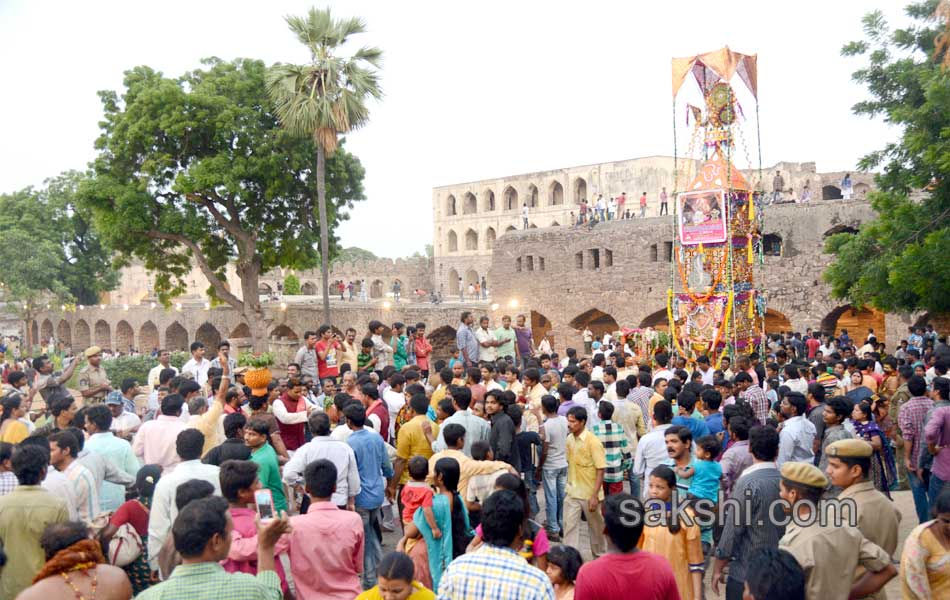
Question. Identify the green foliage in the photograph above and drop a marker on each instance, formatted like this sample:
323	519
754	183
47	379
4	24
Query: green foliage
195	168
291	285
354	254
137	367
256	360
48	248
897	262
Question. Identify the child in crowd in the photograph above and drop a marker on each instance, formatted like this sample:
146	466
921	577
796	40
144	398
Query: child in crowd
705	471
478	409
417	493
364	360
455	358
563	564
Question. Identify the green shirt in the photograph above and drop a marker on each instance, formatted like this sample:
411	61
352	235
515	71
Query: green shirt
362	359
24	514
268	472
209	581
508	336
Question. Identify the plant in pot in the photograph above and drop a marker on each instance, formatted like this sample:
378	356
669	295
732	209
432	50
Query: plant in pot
259	374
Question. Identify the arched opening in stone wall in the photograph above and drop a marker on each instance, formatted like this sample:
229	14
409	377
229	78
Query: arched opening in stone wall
103	334
840	229
511	228
658	321
555	224
490	238
489	197
831	192
208	335
861	190
46	329
941	322
450	209
776	322
82	339
148	337
471	277
540	326
532	226
471	240
443	342
35	330
376	289
469	204
597	321
309	288
580	190
241	331
453	241
532	195
264	289
856	320
556	194
176	338
772	244
511	198
124	336
64	332
453	283
283	332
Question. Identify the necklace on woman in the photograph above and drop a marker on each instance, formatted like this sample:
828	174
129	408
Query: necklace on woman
76	592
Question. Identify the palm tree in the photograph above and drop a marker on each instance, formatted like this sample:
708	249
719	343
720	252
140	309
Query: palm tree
325	98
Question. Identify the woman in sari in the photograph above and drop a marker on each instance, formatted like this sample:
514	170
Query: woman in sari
883	470
431	556
925	561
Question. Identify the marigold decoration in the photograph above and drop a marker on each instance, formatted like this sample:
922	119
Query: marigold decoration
711	305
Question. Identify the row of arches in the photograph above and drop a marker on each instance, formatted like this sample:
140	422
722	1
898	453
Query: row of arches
485	201
472	241
458	283
377	288
80	335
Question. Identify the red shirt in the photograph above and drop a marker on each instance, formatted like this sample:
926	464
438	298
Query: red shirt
329	366
379	409
414	497
423	348
132	512
812	344
610	576
643	200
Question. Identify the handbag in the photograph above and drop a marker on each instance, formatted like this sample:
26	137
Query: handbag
126	546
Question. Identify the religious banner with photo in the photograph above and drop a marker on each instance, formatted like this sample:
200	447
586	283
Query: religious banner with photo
702	217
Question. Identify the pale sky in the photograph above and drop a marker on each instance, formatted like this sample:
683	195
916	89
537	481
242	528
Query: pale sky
473	90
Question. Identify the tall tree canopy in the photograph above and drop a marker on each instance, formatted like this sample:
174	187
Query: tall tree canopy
196	169
898	262
49	251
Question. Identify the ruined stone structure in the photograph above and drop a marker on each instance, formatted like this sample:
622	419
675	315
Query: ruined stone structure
469	217
618	274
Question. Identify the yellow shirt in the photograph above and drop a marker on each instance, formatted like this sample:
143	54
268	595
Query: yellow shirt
468	467
411	441
14	432
437	396
585	455
349	354
419	592
681	549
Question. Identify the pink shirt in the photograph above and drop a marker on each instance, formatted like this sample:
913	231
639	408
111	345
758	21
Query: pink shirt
155	442
242	557
326	552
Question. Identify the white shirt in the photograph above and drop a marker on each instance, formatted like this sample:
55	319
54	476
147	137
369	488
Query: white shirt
524	212
126	421
155	372
163	512
555	434
485	354
85	489
337	452
664	374
797	385
795	441
597	374
394	402
287	417
198	370
57	484
651	452
708	375
581	398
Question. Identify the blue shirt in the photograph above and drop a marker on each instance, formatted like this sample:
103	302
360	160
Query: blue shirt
697	428
705	481
467	343
714	423
373	465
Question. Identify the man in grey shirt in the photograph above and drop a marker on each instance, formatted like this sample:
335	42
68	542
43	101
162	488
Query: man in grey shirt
552	465
748	528
306	357
466	341
476	428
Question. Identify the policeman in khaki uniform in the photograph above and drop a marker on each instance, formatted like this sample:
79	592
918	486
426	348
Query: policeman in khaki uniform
849	463
827	552
93	381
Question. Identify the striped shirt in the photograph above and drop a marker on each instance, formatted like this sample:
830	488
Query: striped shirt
745	533
911	418
493	573
641	395
614	439
209	581
84	485
758	401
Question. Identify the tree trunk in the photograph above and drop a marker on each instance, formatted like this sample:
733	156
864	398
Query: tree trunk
324	230
249	272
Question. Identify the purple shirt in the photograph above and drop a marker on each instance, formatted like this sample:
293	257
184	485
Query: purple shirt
566	406
523	335
910	417
937	432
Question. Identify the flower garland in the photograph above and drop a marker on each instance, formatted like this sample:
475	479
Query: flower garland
669	316
725	322
704	297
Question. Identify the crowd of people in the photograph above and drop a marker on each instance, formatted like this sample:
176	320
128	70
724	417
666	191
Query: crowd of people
486	467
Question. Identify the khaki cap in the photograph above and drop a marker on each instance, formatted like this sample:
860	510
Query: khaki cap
92	351
849	449
804	474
